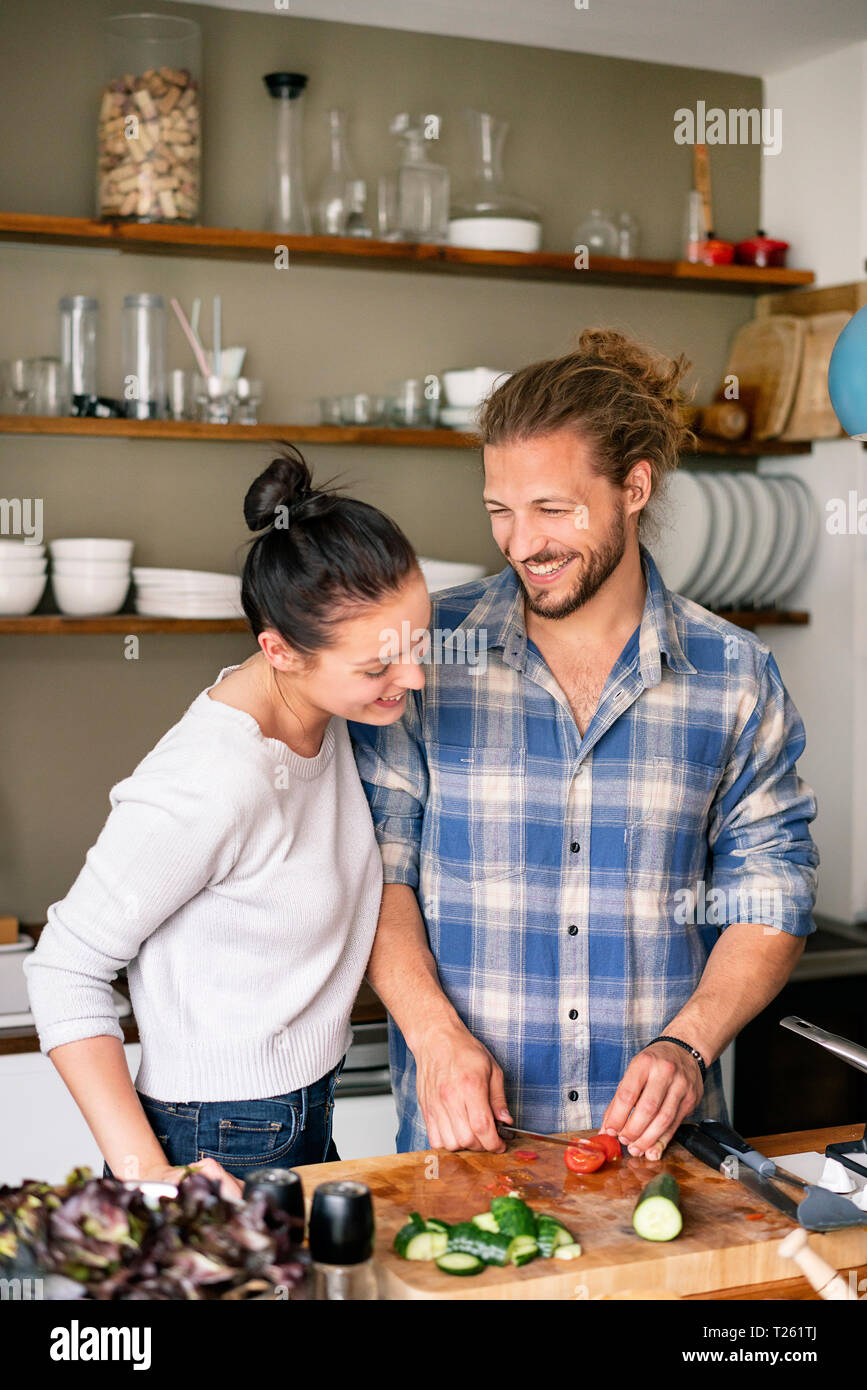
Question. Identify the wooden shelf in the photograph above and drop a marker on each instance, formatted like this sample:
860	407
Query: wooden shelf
118	623
372	435
126	623
231	243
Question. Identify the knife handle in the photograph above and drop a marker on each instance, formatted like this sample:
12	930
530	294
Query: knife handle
733	1143
701	1145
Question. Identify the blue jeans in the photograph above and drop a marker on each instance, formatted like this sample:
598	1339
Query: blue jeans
242	1135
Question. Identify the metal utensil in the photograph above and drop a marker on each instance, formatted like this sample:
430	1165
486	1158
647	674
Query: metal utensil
704	1147
847	1051
512	1132
820	1210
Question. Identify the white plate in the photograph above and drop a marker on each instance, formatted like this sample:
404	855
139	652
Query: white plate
685	531
805	543
742	533
202	579
719	542
787	535
761	551
183	608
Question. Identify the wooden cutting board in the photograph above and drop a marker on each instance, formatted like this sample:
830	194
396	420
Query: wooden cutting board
720	1247
766	359
812	414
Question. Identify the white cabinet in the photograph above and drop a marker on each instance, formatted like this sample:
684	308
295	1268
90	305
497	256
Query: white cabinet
42	1133
364	1126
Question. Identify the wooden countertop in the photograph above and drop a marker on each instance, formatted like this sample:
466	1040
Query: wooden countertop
368	1008
392	1187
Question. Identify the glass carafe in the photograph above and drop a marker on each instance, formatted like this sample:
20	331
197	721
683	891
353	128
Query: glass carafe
333	202
422	191
488	215
287	200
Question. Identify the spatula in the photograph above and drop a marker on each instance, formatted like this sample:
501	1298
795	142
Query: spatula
820	1210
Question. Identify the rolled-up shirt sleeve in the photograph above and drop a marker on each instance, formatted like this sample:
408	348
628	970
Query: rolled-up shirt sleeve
393	769
764	858
161	845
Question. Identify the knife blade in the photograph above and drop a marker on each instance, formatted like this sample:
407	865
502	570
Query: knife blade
512	1132
703	1146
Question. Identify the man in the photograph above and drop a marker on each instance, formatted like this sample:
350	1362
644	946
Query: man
549	822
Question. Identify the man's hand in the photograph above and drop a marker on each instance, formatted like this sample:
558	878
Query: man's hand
460	1090
661	1086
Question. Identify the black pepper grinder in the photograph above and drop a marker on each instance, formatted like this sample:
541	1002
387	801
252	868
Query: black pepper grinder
341	1243
283	1190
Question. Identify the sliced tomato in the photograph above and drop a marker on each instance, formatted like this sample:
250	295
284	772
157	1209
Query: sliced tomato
528	1155
584	1158
609	1143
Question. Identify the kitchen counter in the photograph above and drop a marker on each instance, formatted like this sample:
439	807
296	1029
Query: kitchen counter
386	1177
368	1008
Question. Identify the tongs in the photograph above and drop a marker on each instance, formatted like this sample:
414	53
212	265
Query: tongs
847	1051
856	1056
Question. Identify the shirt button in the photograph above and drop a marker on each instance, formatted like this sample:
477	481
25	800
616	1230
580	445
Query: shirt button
573	1013
573	930
573	1095
574	846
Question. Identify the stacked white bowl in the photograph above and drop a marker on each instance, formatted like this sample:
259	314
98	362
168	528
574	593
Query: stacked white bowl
170	593
90	577
22	577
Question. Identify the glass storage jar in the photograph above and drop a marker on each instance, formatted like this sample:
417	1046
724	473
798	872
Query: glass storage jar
149	132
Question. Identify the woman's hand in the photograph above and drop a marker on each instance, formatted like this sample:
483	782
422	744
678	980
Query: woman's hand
230	1187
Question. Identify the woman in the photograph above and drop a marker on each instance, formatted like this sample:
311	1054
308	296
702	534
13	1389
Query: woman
238	874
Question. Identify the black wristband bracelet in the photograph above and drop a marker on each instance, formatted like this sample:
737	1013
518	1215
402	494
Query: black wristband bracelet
679	1042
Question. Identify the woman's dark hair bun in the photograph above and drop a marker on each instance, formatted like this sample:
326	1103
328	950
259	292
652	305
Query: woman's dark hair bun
286	482
318	555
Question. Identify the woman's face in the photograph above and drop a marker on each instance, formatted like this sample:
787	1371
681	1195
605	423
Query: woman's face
376	658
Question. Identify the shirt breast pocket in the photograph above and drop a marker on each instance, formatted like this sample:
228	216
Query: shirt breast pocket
669	834
474	827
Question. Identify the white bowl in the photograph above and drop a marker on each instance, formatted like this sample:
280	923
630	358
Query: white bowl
13	982
89	569
90	549
89	596
19	568
14	548
469	386
20	593
496	233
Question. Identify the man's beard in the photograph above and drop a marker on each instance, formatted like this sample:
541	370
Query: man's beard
597	566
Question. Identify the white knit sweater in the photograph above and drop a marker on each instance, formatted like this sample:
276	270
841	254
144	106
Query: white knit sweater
241	885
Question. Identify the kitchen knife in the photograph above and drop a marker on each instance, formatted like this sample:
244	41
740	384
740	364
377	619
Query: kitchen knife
702	1145
512	1132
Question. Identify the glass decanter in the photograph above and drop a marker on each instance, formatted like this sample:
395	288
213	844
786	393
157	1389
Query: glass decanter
488	215
422	187
333	201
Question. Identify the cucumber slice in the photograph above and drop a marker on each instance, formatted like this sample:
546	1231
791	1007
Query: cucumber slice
414	1244
551	1233
513	1216
567	1252
489	1246
486	1221
458	1262
433	1223
522	1249
657	1212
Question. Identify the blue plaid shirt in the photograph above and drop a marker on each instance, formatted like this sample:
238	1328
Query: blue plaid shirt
573	888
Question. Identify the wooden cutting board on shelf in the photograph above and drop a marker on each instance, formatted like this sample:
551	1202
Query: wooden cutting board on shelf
766	359
812	414
729	1237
